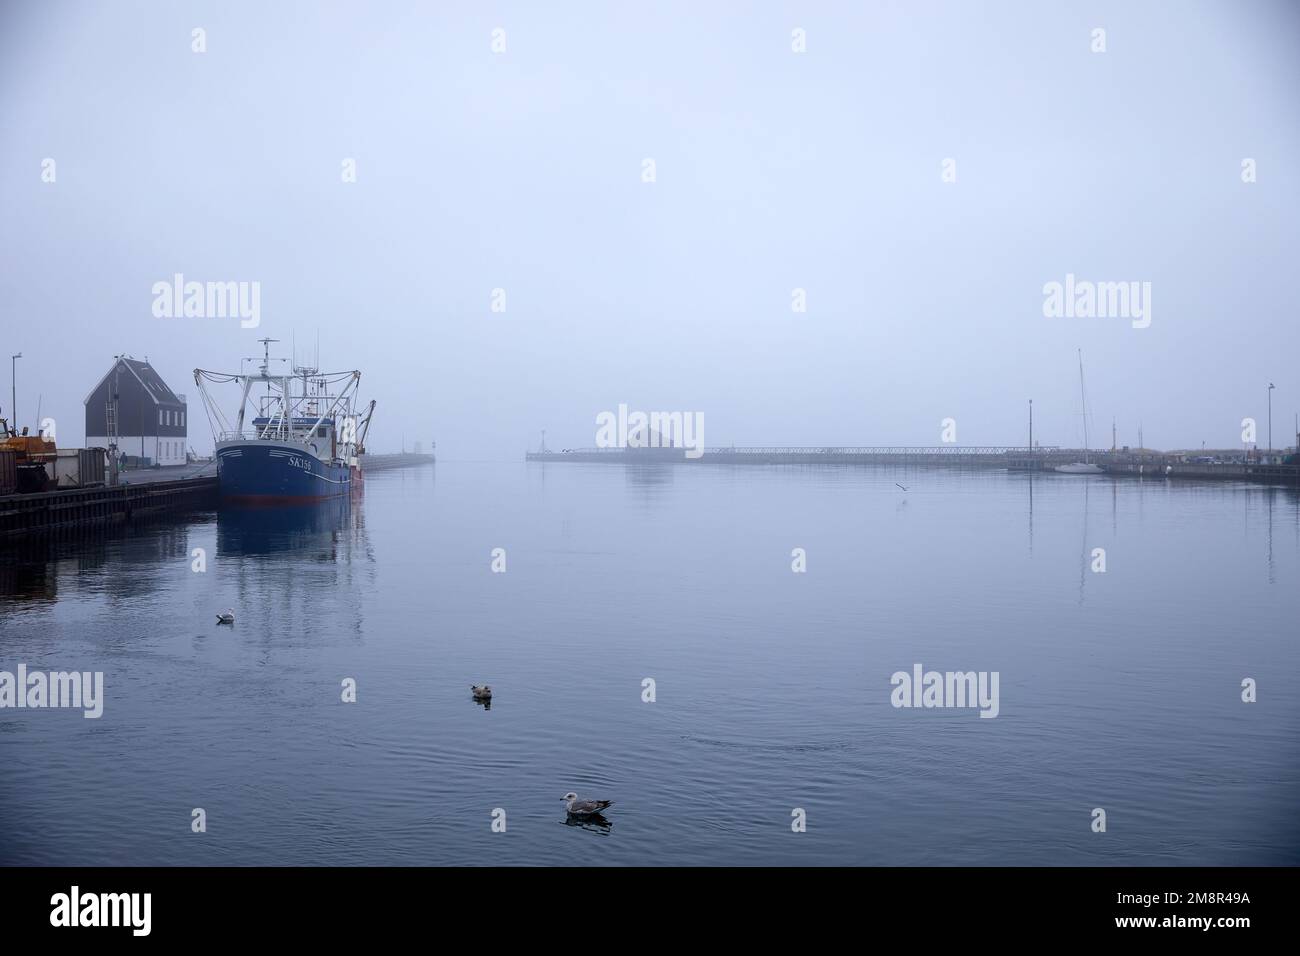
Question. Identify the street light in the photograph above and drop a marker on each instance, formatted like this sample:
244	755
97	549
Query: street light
1271	386
13	382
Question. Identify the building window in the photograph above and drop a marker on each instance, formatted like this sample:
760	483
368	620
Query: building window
182	419
160	416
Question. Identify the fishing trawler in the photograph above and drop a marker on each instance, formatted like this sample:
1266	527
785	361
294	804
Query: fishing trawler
304	441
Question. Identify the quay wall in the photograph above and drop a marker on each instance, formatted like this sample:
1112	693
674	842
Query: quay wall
106	505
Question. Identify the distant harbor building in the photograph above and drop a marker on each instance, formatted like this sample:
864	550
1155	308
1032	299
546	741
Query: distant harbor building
134	409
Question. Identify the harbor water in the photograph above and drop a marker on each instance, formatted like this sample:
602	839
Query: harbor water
1119	689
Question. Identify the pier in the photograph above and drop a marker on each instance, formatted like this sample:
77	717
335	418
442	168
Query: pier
372	463
938	455
1144	465
1196	471
105	505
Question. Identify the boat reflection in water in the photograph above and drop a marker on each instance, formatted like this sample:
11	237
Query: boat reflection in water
329	530
286	557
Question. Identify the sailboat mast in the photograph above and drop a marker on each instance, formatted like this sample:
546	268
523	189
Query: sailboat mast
1083	401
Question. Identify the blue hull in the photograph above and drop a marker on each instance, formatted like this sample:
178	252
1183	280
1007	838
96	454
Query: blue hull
271	473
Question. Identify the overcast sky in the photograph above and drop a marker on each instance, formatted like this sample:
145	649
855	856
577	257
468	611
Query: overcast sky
775	170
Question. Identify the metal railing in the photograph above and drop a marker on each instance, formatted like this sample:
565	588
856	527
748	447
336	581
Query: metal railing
277	433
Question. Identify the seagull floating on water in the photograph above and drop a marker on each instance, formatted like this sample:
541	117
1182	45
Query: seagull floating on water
585	808
228	617
481	693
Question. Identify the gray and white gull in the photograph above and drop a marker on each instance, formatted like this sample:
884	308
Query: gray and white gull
585	808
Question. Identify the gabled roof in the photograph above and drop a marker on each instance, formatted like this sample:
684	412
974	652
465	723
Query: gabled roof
144	373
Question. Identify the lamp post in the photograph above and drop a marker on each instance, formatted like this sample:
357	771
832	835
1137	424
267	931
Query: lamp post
1271	386
13	384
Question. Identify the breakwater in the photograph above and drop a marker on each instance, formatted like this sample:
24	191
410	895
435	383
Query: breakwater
1153	465
940	455
372	463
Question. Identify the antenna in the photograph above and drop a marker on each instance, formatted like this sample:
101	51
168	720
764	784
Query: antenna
266	353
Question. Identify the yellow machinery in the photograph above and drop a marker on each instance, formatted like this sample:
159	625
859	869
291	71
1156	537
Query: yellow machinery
34	456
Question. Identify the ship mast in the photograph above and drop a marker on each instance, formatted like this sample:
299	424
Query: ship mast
266	353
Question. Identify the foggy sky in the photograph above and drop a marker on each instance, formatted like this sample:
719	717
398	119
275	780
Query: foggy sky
775	171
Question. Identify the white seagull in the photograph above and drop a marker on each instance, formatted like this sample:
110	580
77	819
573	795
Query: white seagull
585	808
